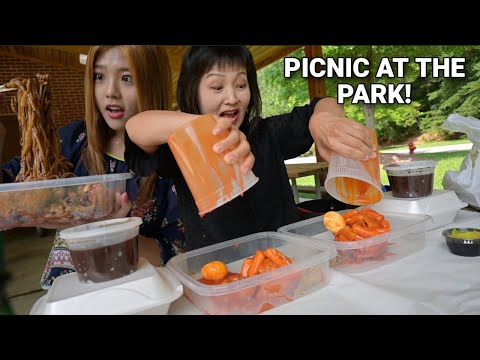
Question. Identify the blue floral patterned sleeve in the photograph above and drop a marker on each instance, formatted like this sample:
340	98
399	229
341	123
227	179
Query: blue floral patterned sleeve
11	169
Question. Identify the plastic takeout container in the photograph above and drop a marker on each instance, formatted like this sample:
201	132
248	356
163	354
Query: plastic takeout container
460	244
442	206
412	179
210	179
255	294
355	182
149	290
61	202
104	250
407	236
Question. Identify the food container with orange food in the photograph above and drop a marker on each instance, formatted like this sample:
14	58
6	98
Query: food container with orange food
61	202
210	179
252	295
407	236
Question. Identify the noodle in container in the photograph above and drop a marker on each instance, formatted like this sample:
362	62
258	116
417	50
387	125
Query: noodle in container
45	193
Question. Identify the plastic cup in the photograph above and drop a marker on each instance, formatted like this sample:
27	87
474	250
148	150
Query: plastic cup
211	180
104	250
413	179
355	182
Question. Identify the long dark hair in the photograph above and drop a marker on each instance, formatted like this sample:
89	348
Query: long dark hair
151	72
198	60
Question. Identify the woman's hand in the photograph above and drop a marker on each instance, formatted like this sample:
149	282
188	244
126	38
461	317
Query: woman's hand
332	133
235	145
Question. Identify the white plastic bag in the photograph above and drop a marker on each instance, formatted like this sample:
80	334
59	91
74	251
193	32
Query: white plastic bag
466	182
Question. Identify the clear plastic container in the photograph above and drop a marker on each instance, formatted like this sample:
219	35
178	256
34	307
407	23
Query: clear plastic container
210	179
442	206
149	291
61	202
253	295
355	182
413	179
407	236
104	250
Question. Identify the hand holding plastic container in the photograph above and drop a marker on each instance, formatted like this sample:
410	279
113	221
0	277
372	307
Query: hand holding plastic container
211	180
355	182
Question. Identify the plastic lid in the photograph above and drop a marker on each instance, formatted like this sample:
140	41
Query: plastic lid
411	167
73	181
101	233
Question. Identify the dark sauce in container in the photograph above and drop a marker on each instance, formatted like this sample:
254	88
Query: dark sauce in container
104	250
108	262
412	179
411	186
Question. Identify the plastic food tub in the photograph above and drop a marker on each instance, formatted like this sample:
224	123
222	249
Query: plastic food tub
104	250
149	290
61	202
442	206
413	179
255	294
406	237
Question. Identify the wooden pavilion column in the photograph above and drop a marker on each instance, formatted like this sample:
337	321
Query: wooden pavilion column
316	86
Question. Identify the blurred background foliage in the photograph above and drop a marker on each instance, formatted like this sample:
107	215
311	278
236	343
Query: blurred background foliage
433	99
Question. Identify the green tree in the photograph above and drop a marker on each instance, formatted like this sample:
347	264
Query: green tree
433	99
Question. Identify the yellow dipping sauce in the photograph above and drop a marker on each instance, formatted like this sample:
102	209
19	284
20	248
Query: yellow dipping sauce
465	235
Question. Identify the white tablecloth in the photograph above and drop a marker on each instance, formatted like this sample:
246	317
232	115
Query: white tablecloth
431	281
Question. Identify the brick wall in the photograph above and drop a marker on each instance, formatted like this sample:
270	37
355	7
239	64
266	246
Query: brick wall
67	87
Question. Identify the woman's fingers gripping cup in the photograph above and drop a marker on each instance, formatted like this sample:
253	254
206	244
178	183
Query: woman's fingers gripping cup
234	146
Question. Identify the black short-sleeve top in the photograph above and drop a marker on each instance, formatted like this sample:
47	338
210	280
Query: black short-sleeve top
266	206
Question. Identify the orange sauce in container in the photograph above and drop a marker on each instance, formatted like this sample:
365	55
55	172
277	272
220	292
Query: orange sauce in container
357	192
210	179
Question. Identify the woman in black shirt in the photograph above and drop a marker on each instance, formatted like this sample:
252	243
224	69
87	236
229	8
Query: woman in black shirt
222	81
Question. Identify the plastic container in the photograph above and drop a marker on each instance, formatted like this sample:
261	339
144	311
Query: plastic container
355	182
406	237
461	245
442	206
104	250
253	295
413	179
149	290
210	179
61	202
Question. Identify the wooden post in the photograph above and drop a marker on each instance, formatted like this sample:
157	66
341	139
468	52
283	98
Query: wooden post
316	86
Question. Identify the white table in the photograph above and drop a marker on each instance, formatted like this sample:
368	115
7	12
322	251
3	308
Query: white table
431	281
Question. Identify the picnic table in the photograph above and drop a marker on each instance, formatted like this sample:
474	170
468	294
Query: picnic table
318	170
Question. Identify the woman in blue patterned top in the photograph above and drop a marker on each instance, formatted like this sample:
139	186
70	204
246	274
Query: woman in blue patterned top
120	81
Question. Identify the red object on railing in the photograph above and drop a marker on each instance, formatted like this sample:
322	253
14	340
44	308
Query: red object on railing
411	147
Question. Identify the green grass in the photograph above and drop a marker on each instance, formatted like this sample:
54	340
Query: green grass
445	161
428	144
